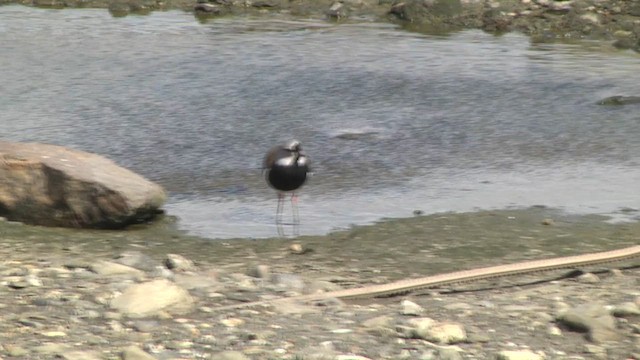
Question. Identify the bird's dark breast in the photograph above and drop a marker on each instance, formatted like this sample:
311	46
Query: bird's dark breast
287	178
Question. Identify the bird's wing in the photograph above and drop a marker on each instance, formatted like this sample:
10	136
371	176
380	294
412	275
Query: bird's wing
271	157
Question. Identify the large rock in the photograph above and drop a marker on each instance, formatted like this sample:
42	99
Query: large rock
56	186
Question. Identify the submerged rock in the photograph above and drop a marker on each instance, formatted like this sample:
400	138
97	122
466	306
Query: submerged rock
420	10
620	100
365	135
337	11
206	8
55	186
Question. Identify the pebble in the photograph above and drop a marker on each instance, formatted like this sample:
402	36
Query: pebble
411	308
150	298
260	271
18	283
597	351
229	355
380	325
616	272
351	357
554	330
297	249
54	334
232	322
589	278
449	353
626	309
193	281
290	282
458	306
80	355
179	263
52	348
519	355
15	350
440	332
136	259
592	18
109	268
135	353
145	325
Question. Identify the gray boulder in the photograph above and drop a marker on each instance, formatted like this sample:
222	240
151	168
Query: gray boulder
55	186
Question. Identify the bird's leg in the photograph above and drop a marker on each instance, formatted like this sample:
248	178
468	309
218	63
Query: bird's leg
296	214
279	214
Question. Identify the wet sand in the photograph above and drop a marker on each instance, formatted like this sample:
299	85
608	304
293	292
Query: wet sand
393	249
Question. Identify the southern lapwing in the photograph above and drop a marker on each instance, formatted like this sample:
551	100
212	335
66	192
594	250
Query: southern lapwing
285	168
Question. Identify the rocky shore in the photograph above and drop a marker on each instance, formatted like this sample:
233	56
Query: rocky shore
617	21
75	294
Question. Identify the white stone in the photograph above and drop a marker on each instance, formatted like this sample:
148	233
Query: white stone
54	334
590	17
441	332
554	330
411	308
151	298
589	278
232	322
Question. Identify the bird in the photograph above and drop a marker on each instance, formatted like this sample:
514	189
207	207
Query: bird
285	169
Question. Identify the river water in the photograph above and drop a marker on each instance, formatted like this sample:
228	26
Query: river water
393	121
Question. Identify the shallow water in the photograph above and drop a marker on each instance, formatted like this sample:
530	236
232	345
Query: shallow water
393	121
